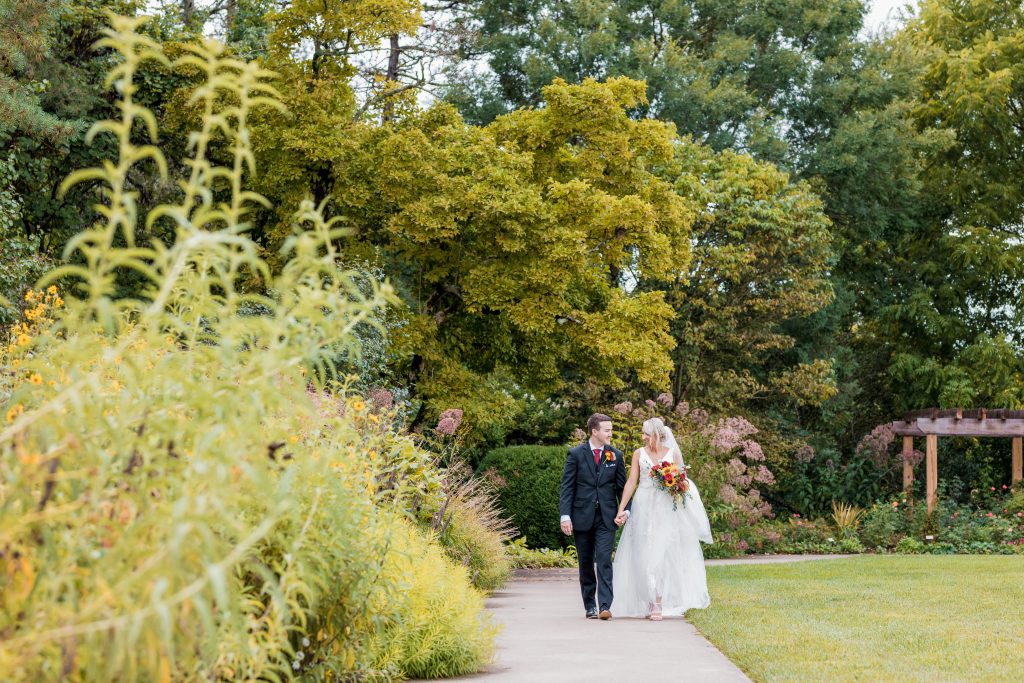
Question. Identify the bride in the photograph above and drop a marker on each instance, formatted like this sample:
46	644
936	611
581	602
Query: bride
659	566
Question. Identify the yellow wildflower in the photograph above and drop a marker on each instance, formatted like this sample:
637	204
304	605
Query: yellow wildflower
52	289
358	405
36	378
16	410
29	295
115	385
24	339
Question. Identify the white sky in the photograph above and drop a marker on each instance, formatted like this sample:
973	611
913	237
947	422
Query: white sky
882	11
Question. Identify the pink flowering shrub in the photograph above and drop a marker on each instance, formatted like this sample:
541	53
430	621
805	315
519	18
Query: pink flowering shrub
744	470
449	422
723	455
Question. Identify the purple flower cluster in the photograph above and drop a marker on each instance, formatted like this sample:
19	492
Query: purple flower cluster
728	494
764	475
699	416
752	450
745	468
382	398
449	422
876	445
914	457
730	433
805	453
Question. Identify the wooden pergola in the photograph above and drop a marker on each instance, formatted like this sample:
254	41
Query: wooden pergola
933	423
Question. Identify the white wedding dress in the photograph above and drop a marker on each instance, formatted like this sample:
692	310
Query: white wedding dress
659	552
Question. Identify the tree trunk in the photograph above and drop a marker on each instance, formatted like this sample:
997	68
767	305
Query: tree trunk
188	12
230	12
394	53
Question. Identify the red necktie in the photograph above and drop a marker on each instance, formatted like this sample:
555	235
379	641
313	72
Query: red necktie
597	455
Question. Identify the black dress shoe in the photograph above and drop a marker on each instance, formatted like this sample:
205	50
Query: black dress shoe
606	614
592	613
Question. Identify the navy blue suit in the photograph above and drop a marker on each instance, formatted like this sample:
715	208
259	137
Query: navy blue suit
590	496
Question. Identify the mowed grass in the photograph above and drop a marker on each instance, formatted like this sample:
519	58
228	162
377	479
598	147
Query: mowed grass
870	618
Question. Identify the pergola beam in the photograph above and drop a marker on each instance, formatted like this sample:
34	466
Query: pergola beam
933	423
951	426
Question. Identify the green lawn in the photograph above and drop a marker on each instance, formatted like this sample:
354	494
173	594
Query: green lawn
871	618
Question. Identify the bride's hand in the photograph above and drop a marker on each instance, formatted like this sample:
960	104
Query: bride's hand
621	518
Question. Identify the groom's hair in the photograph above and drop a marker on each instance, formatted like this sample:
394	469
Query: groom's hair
595	421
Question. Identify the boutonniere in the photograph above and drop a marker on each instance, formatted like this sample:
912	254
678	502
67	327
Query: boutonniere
609	456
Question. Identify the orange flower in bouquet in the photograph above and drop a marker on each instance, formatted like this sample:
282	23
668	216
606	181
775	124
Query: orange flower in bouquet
671	479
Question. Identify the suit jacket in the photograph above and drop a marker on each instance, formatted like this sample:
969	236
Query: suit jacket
590	490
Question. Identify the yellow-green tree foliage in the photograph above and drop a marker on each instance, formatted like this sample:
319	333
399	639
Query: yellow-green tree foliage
551	248
178	499
512	243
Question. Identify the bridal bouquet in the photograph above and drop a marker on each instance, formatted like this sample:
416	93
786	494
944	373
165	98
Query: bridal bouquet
672	480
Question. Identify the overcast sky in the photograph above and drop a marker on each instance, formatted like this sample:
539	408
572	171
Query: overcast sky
882	10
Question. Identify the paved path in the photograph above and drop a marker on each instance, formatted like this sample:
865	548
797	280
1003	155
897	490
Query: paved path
545	638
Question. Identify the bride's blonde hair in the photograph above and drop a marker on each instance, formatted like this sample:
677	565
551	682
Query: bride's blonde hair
655	427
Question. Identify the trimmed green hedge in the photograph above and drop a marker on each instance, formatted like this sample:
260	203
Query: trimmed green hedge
527	479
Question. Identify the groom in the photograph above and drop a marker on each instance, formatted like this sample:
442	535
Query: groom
592	483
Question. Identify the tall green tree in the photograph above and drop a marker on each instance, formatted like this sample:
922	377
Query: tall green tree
510	244
732	73
762	252
955	337
26	28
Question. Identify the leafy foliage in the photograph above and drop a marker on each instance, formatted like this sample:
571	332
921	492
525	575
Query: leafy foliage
176	498
496	234
527	480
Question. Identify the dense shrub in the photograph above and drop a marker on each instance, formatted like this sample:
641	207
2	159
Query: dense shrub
179	497
431	623
527	479
723	455
885	525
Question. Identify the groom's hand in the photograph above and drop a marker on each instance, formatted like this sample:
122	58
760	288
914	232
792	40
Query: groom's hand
567	527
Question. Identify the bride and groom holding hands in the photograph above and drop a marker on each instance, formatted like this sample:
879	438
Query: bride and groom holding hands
659	566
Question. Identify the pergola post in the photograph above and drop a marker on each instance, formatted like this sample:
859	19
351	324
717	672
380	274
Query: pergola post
908	467
931	456
931	423
1017	471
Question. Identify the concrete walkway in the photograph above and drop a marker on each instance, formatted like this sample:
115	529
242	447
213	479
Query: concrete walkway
546	639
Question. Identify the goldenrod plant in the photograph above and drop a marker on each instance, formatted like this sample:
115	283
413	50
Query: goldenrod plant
187	491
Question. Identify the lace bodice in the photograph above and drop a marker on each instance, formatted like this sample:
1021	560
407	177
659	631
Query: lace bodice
646	463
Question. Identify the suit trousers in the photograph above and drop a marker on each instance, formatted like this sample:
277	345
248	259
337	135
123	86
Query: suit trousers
594	548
